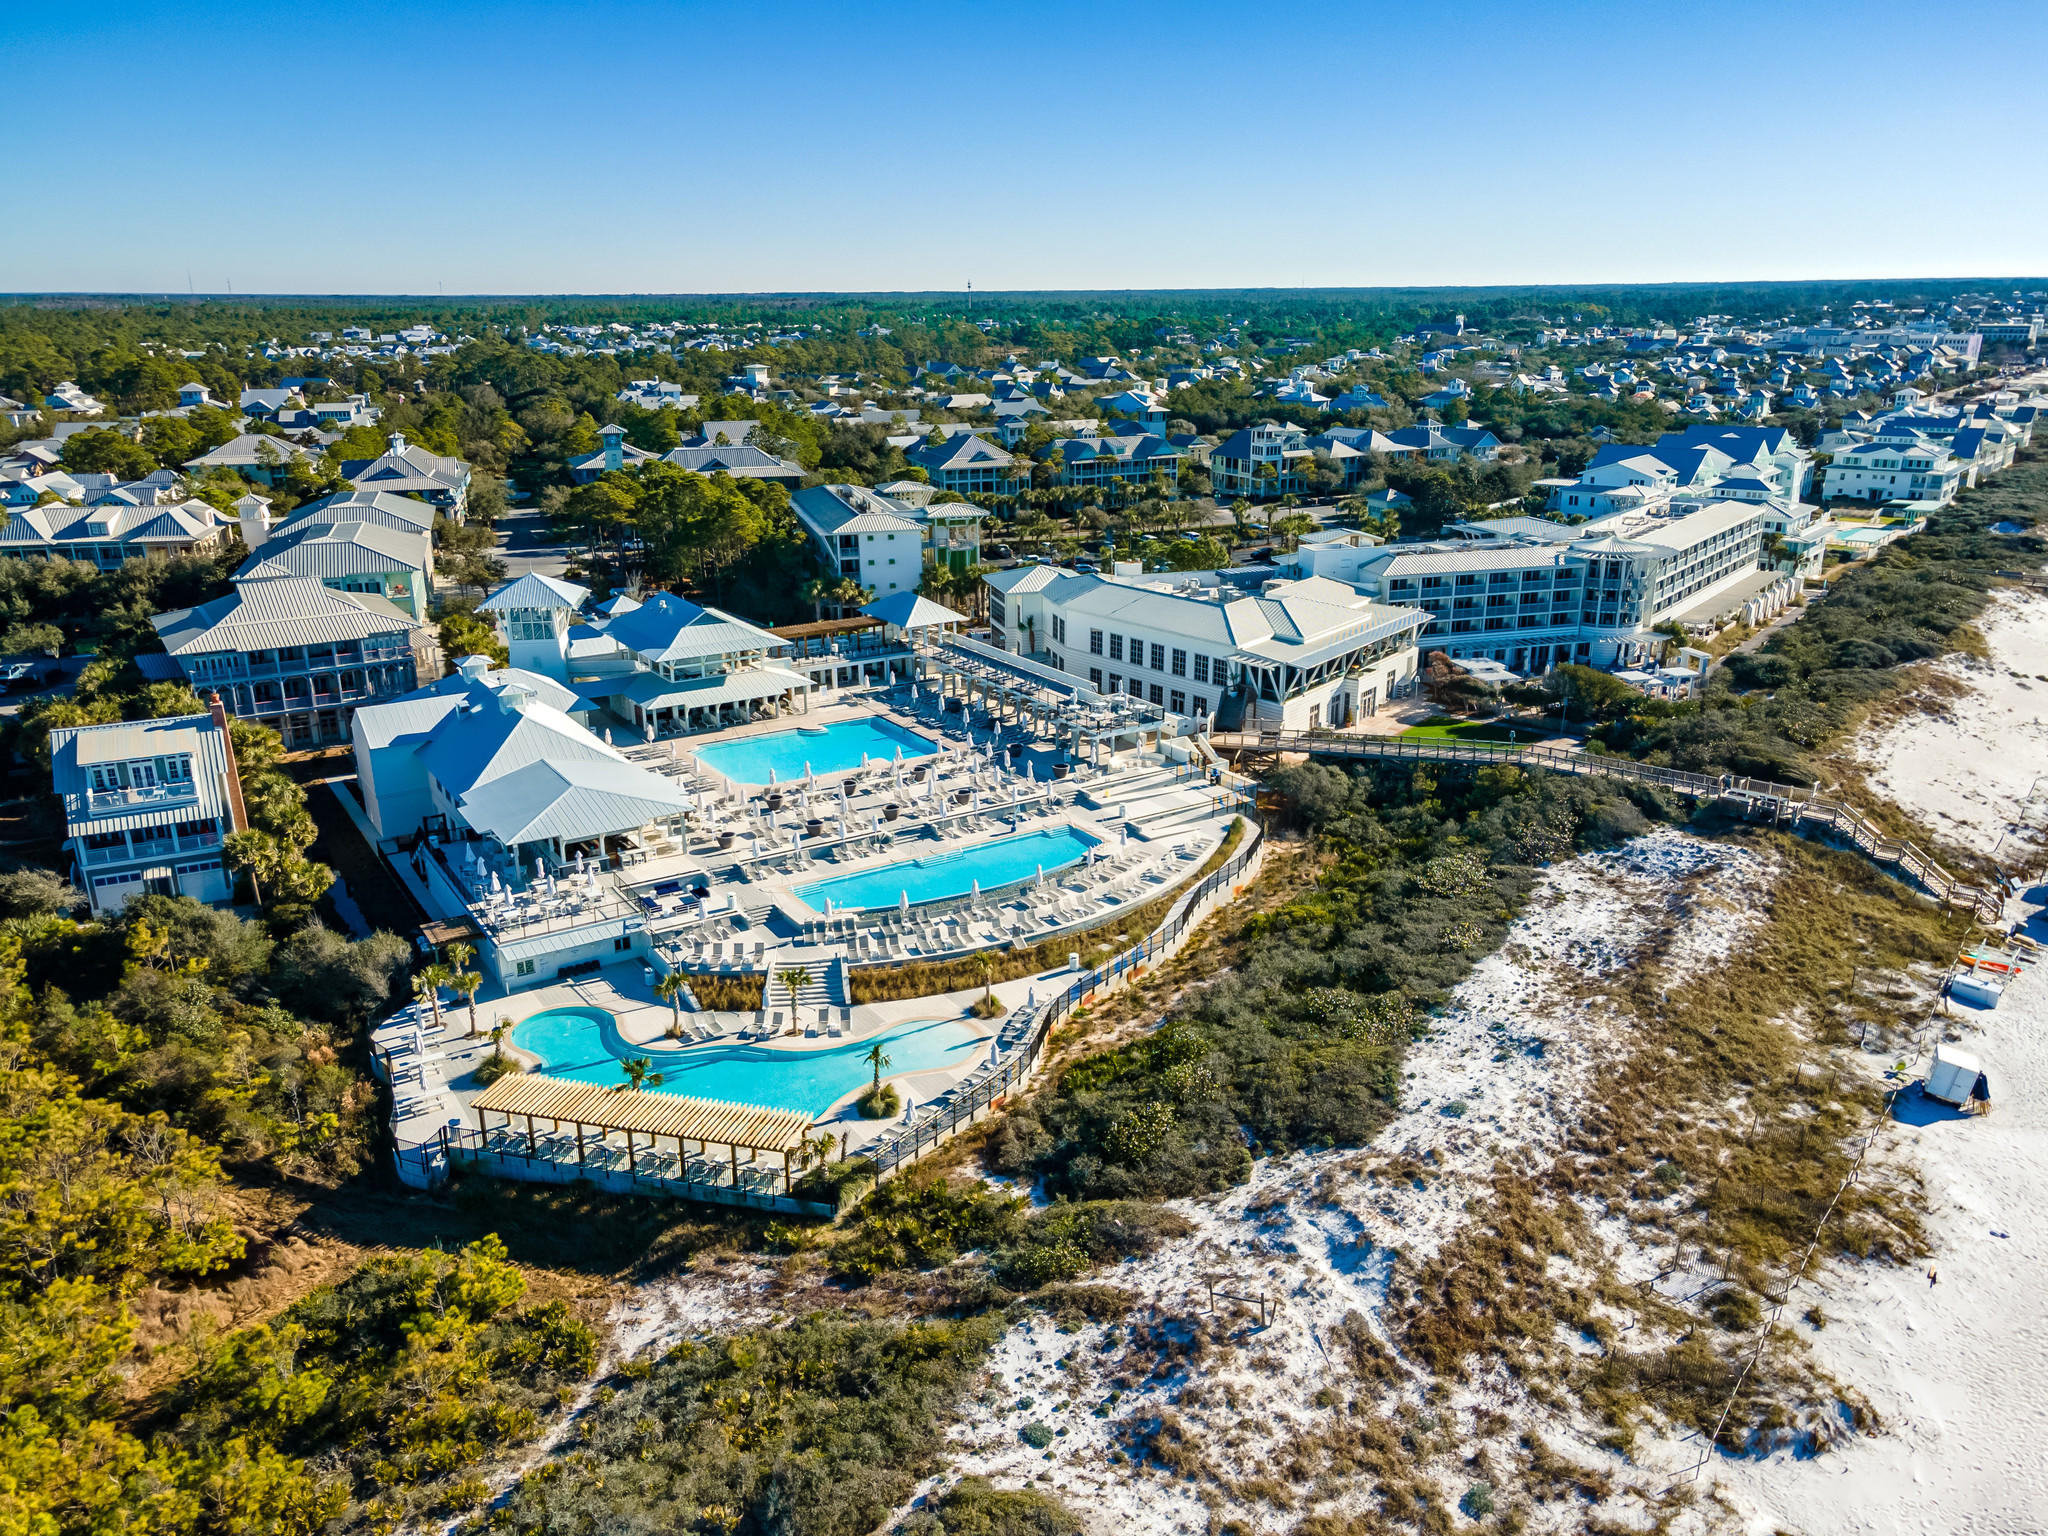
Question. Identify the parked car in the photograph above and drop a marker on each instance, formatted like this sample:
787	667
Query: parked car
1087	567
17	675
1002	552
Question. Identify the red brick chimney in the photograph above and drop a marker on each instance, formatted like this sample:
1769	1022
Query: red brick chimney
238	813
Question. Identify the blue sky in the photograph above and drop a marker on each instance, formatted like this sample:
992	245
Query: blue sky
680	147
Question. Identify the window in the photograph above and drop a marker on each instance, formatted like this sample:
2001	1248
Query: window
1201	705
1116	647
1158	660
1201	668
1116	683
1180	663
1177	702
524	968
1219	671
1158	694
1095	678
1137	688
1137	652
623	942
1094	642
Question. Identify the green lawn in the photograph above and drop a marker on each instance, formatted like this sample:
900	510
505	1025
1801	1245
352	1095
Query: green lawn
1475	730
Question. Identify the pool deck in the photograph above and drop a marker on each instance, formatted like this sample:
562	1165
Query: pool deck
434	1087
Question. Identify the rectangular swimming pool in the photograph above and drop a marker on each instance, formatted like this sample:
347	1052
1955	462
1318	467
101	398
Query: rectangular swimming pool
584	1044
1005	861
779	756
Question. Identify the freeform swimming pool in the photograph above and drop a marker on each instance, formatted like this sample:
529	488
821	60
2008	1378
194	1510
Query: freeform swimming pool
1005	861
827	748
585	1044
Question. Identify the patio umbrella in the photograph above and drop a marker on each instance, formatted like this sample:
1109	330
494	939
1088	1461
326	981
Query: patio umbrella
863	762
903	902
1041	875
497	885
540	871
771	774
1031	998
977	890
807	773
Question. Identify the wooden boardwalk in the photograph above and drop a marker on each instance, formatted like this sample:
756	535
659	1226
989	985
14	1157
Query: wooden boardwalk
1787	805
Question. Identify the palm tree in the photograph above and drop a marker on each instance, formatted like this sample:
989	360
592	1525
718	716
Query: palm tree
639	1075
428	983
670	990
815	592
985	966
794	977
848	593
877	1055
816	1149
464	980
499	1031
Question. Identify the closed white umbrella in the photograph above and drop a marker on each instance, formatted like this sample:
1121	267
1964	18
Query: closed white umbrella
977	890
807	773
899	755
863	762
1041	875
903	901
771	774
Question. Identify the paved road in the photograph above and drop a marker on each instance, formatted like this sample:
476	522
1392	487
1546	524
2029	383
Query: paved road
526	544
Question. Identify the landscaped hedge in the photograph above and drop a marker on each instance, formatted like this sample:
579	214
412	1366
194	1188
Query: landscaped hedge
930	978
729	991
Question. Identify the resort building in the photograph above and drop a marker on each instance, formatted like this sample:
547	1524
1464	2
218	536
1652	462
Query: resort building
1530	594
662	666
884	543
385	509
614	453
1233	647
252	456
297	655
1918	470
146	806
508	805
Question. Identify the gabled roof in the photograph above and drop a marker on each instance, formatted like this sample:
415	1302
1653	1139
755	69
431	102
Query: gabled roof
290	610
494	731
386	508
836	509
406	468
962	451
534	590
743	462
336	549
909	610
669	628
571	798
248	449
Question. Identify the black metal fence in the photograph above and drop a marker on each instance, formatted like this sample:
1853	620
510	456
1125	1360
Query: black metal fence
1024	1039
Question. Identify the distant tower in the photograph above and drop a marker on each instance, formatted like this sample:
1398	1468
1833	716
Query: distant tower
535	614
614	440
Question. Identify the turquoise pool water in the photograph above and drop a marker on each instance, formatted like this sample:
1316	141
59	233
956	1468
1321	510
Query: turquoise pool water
1002	862
585	1044
827	748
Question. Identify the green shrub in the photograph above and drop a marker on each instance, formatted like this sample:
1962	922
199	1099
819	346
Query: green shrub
822	1425
1300	1045
975	1507
879	1103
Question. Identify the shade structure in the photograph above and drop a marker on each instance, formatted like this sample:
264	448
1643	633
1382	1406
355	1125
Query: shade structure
534	1096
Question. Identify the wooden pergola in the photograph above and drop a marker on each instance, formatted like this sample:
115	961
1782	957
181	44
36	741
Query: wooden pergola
533	1096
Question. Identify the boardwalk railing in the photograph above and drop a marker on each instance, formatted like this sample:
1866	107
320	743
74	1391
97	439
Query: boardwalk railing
1023	1039
1803	810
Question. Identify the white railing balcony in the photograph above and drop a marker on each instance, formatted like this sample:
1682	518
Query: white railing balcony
152	794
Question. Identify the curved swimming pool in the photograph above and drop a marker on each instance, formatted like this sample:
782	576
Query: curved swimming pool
584	1044
834	748
1005	861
